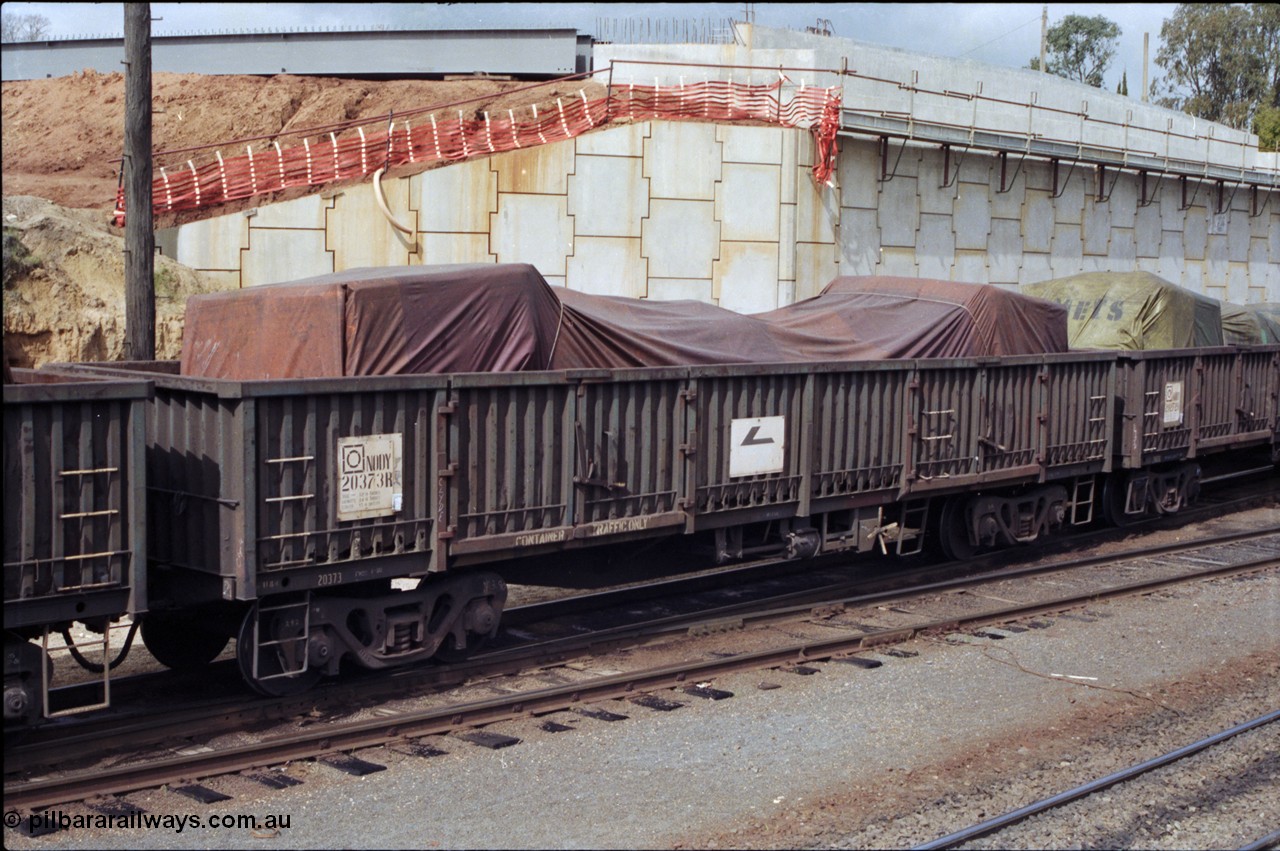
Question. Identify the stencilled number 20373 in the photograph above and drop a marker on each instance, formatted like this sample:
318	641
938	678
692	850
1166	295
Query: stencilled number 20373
326	579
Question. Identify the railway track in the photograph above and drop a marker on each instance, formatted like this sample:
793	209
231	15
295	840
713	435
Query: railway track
559	630
556	630
1058	804
844	619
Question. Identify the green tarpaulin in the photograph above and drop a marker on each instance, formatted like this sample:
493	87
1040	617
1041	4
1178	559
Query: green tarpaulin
1250	324
1132	310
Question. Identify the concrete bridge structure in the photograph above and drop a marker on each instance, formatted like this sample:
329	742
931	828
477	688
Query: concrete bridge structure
946	169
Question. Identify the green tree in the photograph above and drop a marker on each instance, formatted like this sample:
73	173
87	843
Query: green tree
1123	88
1221	61
1080	48
1266	125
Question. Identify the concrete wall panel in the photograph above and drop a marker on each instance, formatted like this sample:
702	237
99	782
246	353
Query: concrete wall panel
533	229
972	214
1037	221
859	242
858	172
1095	229
1123	255
1068	207
214	243
1195	235
680	289
607	266
1036	267
1067	250
1005	251
626	140
815	267
899	213
359	234
936	247
750	144
446	248
1147	227
543	170
456	199
1238	235
1008	204
681	239
608	196
745	277
971	266
285	255
897	261
935	197
682	160
748	199
300	213
817	211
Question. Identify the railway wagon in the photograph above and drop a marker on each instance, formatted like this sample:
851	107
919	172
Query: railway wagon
1178	406
74	526
280	511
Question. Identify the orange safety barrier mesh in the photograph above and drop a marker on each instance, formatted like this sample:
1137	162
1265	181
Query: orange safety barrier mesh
440	138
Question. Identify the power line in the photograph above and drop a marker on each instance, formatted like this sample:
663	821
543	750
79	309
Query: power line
997	38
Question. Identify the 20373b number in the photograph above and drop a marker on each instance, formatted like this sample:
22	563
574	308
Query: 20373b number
327	579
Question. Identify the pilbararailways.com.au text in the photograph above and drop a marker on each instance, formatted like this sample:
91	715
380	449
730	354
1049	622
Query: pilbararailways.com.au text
58	820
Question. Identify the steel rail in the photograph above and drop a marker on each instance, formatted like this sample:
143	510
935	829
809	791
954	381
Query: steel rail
382	731
534	654
1062	798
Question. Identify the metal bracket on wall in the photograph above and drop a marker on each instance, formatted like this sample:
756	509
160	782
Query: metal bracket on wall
947	180
1057	192
1254	209
1143	200
1186	205
1221	207
1102	179
1006	182
885	174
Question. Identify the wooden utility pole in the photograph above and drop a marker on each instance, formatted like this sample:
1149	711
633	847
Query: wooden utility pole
139	232
1146	49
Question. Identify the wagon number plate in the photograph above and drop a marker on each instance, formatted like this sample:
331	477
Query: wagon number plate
370	476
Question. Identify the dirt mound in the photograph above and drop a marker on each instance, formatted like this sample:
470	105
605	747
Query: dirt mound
63	137
62	141
64	287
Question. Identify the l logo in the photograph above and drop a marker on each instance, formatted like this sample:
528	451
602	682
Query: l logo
751	440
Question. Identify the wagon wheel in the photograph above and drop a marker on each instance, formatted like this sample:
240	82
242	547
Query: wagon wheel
953	533
274	659
1115	497
176	644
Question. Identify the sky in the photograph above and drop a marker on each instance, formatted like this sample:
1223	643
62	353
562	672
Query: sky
1001	34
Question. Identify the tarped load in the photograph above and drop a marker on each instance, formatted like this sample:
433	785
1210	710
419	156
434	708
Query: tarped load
615	333
1133	311
1250	325
447	319
891	317
507	318
386	321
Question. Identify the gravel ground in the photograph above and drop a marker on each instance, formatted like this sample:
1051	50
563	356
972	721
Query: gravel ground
966	729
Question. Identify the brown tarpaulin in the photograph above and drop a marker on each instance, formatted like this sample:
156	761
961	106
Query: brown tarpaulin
385	321
506	318
875	317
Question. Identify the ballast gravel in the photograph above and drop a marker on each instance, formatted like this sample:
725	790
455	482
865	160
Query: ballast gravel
947	732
